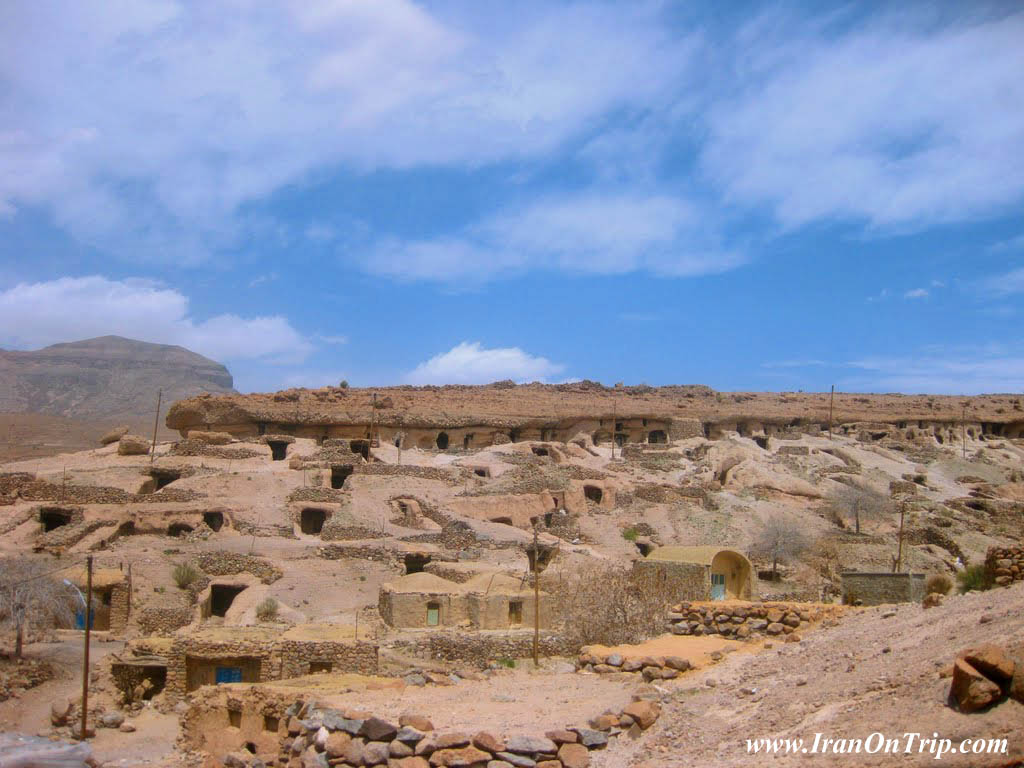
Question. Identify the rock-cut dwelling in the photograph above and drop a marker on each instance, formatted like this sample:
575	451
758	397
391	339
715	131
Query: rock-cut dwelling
698	573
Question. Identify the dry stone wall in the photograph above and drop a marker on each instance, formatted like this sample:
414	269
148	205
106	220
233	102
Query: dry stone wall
163	621
485	647
296	656
879	588
1005	565
225	563
747	620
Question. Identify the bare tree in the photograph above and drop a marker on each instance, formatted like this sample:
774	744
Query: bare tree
859	504
607	604
31	595
781	539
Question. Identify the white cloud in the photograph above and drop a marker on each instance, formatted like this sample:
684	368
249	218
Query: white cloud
146	125
72	308
1003	285
335	340
588	234
899	122
313	379
471	363
942	371
916	293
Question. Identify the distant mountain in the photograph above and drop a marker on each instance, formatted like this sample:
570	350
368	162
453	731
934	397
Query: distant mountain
108	379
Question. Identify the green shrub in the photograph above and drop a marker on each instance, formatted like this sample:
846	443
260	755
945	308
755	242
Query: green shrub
974	578
185	575
507	662
267	610
630	534
938	582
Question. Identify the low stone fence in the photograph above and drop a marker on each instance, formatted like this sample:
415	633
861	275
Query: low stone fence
879	588
650	667
485	646
307	734
380	554
1005	565
225	563
296	656
164	621
744	620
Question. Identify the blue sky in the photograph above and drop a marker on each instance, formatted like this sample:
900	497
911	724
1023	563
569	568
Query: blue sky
770	196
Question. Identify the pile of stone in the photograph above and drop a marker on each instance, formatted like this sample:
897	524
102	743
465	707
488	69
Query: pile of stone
745	620
322	738
651	667
985	676
1005	564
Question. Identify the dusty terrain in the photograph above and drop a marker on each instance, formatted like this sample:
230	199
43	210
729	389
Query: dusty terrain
472	511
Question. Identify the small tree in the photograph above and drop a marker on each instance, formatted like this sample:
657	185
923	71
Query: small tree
781	539
862	504
31	595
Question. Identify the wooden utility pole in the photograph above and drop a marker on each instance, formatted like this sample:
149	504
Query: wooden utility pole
373	418
963	429
536	596
899	546
831	399
64	484
614	417
156	423
85	660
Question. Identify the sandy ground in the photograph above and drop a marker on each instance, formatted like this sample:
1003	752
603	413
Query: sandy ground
867	674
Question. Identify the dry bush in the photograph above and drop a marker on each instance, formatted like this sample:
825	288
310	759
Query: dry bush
860	504
185	575
938	582
607	604
267	610
781	540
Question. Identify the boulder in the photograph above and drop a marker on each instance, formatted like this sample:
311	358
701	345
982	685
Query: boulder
932	600
644	713
413	720
970	689
592	739
992	661
378	729
114	435
60	711
409	762
133	445
375	753
488	742
337	743
530	745
112	720
459	758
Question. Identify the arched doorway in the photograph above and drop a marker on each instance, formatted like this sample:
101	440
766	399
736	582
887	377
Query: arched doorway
442	441
730	576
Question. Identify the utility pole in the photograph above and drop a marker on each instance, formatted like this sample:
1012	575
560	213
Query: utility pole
899	546
831	399
156	423
536	596
85	660
963	429
373	418
614	417
64	484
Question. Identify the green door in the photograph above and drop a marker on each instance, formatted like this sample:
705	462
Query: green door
433	614
718	586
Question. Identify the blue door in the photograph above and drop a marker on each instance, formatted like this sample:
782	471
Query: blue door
718	586
228	675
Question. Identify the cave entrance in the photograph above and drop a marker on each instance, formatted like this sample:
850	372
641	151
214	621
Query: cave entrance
657	437
340	474
54	518
593	493
214	520
221	598
177	530
163	477
539	450
415	562
278	449
502	520
126	528
467	441
362	447
311	520
442	441
762	441
481	471
645	548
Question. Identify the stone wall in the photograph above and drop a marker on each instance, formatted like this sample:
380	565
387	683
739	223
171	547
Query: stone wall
482	648
225	563
163	620
680	581
296	656
879	588
120	607
742	620
260	727
1005	565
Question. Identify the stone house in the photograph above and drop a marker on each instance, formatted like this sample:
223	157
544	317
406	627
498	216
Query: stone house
111	594
486	601
698	573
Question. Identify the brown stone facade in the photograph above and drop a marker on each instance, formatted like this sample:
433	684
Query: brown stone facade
879	588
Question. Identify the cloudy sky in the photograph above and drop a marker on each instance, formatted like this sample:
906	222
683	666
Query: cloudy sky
763	197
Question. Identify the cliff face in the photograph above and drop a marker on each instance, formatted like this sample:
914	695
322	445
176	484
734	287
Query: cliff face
560	410
106	378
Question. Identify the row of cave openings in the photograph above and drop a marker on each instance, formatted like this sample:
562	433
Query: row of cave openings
52	518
